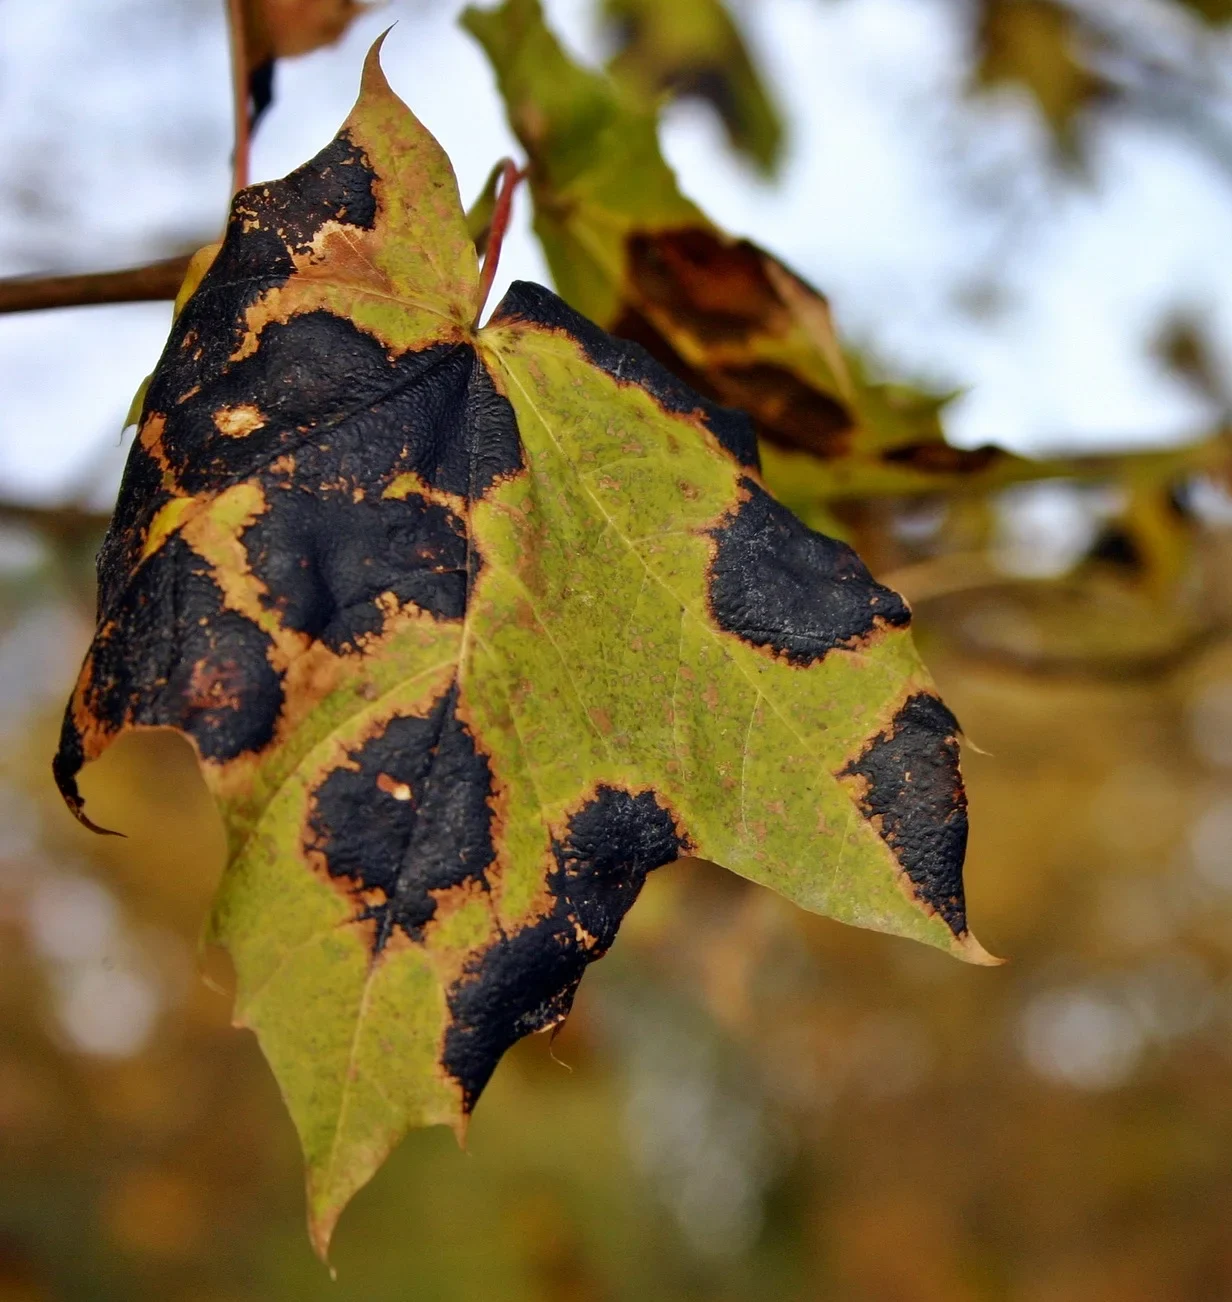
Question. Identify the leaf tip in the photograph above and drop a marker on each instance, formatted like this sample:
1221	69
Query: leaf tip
970	950
460	1125
373	80
320	1232
77	807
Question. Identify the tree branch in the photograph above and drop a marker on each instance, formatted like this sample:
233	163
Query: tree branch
61	524
151	283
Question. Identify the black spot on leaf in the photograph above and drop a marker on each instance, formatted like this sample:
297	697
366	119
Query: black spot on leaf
776	583
612	843
267	222
630	363
338	185
141	496
913	786
526	982
170	654
68	761
408	815
326	560
324	386
523	983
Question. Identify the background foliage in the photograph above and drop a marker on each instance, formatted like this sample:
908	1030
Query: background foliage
756	1103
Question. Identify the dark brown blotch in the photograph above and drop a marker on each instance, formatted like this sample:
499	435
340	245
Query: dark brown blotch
526	981
716	289
719	292
408	813
170	654
786	410
937	458
329	563
912	786
781	407
776	584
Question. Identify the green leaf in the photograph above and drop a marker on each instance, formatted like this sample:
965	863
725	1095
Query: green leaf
471	630
693	48
631	252
1034	44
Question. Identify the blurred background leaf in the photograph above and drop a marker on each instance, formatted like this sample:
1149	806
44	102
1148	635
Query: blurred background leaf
1033	45
283	29
1214	11
693	49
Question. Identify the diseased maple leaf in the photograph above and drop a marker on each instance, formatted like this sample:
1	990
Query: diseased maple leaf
471	630
631	252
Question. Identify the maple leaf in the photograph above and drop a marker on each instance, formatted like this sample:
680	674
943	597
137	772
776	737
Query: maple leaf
1033	44
471	630
631	252
693	48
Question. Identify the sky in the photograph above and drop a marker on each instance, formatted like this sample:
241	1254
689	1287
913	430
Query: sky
950	248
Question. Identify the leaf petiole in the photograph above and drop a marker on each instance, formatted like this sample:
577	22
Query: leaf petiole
510	176
238	40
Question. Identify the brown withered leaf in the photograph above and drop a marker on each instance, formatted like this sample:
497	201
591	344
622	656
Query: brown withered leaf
282	29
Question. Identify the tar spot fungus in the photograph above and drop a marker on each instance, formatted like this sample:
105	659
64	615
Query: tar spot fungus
610	845
777	584
912	785
526	981
406	814
327	561
333	390
171	654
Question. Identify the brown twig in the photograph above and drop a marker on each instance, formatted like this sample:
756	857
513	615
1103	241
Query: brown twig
154	281
239	93
71	525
